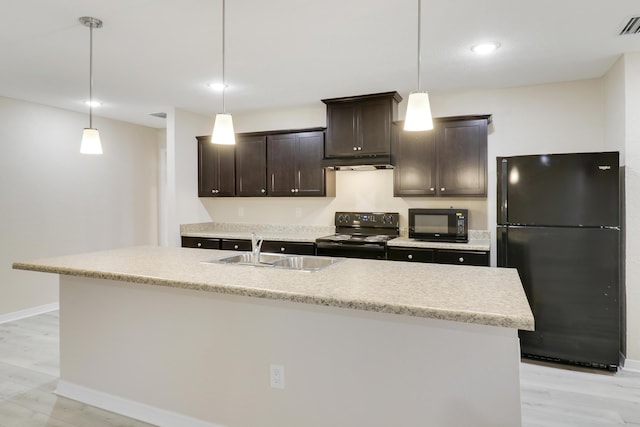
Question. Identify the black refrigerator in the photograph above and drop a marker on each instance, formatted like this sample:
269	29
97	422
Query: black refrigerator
559	224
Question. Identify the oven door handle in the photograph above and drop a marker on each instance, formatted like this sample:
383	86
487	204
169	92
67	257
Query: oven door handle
364	247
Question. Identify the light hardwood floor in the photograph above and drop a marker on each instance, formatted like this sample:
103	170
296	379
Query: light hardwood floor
551	396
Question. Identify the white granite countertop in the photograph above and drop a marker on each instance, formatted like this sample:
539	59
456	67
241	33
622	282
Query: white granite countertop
472	245
482	295
286	233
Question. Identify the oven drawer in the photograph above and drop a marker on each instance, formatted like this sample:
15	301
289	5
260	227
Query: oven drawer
368	251
410	254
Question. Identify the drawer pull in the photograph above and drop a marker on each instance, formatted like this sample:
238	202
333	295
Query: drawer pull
235	246
410	256
282	249
199	244
461	259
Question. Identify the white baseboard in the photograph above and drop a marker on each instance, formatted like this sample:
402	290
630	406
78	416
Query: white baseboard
28	312
128	408
631	365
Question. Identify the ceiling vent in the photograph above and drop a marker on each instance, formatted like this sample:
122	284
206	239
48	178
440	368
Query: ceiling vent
161	115
632	26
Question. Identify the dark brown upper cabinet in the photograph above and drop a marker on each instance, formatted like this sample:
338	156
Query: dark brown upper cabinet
294	164
450	160
251	165
216	169
360	126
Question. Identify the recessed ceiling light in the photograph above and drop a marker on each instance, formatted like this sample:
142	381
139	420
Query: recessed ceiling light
484	48
93	103
217	86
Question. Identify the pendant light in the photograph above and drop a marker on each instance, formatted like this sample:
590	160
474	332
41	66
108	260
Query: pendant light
90	137
418	116
223	126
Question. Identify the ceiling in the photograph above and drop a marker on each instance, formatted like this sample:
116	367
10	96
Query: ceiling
152	55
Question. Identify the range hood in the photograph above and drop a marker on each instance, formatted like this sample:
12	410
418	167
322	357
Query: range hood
358	163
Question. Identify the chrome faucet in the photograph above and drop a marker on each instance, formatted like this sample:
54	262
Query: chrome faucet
256	245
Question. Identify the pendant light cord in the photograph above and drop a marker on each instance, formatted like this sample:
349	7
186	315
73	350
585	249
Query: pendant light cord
419	50
91	76
224	85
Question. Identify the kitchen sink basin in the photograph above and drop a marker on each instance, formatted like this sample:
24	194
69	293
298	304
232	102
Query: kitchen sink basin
246	258
306	263
288	262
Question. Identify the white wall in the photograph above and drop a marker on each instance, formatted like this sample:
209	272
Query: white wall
182	203
55	201
632	199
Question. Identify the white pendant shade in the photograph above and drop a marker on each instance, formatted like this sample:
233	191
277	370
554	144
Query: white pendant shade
90	142
418	115
223	130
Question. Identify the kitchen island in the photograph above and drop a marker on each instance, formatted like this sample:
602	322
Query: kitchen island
156	334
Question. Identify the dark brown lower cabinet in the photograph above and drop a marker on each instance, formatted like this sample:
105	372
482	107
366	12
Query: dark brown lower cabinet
440	256
297	248
480	258
200	242
235	245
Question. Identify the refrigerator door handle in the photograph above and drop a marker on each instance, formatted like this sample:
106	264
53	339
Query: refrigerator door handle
501	258
503	167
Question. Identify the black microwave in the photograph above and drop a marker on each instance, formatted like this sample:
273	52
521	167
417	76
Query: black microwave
439	225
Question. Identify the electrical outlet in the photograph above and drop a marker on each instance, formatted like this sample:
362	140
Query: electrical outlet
276	376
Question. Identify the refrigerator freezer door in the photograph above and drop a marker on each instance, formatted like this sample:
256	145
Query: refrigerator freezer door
559	190
570	276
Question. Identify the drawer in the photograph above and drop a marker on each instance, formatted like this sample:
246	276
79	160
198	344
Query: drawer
480	258
410	254
298	248
200	242
235	245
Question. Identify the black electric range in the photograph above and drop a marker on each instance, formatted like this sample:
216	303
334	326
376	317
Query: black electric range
360	235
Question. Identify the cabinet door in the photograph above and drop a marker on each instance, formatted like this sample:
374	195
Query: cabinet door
251	166
414	173
374	127
298	248
410	254
235	244
200	242
480	258
216	169
281	164
462	158
341	130
310	175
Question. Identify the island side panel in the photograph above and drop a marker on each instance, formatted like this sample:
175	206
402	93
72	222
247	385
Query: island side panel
207	356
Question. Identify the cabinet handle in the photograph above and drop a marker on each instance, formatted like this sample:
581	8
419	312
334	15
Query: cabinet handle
282	249
199	244
263	191
235	246
293	190
297	189
410	256
359	148
461	259
442	189
432	189
355	148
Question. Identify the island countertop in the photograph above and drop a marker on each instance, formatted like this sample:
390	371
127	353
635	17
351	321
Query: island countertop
481	295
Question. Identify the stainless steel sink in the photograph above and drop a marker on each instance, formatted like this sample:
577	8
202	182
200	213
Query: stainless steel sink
289	262
306	263
246	258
